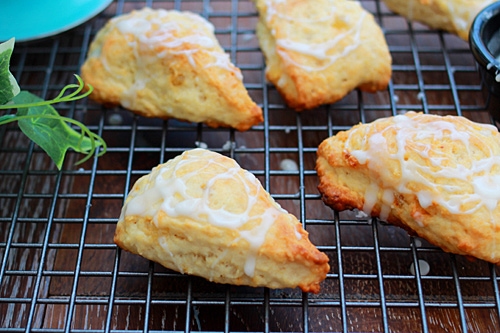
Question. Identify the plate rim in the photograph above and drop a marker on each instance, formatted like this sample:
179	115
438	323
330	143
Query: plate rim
100	6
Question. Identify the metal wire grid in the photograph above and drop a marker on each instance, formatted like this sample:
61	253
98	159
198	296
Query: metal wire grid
60	270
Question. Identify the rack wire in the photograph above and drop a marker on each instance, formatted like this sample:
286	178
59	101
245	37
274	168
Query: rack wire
60	270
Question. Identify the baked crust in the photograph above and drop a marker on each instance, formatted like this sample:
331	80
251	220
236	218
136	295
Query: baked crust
168	64
202	214
316	54
454	16
437	177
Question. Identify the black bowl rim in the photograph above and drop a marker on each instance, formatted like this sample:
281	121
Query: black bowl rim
478	47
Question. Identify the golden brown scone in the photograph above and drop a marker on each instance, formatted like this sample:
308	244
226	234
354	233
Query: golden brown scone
454	16
438	177
318	51
202	214
168	64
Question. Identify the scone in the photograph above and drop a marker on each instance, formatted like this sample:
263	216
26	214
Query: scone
438	177
202	214
168	64
318	51
454	16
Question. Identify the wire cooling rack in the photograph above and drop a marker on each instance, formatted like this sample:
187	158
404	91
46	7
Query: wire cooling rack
60	270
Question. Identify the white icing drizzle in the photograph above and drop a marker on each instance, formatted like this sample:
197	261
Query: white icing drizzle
150	30
481	176
462	16
171	195
338	45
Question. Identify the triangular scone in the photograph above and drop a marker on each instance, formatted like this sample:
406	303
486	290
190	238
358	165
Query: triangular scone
437	177
202	214
168	64
454	16
318	51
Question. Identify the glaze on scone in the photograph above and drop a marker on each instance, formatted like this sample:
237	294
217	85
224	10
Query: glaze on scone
168	64
202	214
454	16
317	52
437	177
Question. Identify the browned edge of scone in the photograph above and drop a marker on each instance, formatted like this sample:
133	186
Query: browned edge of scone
256	111
299	263
343	182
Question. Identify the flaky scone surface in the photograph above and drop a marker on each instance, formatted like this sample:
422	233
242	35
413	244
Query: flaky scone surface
454	16
437	177
168	64
317	52
202	214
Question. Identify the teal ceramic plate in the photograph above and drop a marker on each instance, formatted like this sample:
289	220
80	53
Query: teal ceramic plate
28	19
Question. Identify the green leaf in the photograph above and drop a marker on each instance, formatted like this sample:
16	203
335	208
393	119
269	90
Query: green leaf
45	127
8	84
39	121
